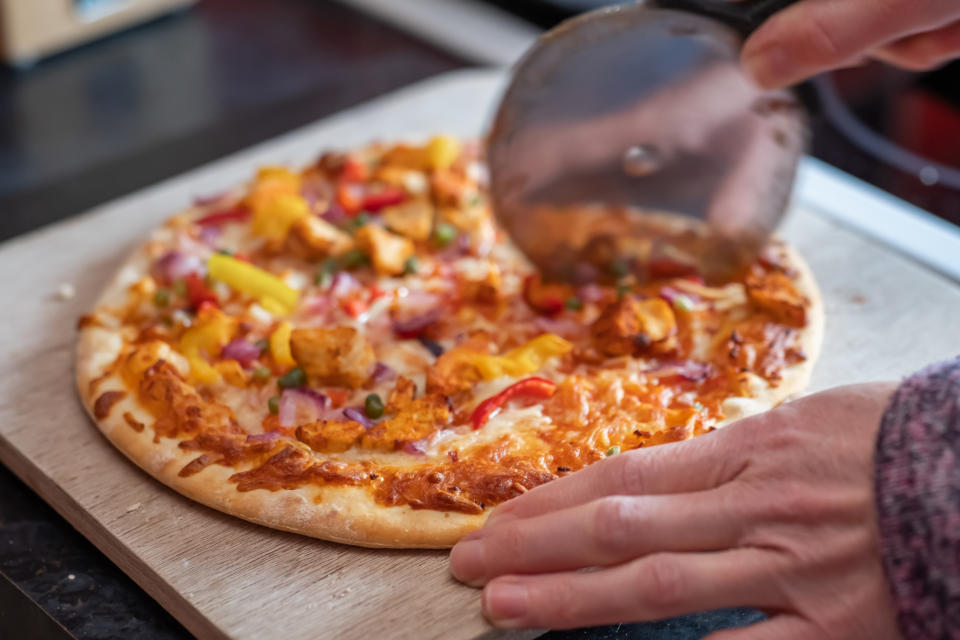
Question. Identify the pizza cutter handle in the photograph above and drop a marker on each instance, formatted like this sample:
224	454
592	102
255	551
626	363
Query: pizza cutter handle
745	16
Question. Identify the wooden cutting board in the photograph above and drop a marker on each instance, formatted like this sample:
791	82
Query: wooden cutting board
222	577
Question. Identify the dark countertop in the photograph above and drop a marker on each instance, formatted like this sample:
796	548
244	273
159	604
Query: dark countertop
94	124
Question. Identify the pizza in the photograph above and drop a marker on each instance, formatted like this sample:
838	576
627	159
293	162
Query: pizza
354	351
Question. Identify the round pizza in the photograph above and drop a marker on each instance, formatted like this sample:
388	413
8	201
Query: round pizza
354	351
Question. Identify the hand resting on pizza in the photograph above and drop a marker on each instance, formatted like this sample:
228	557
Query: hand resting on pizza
818	35
797	512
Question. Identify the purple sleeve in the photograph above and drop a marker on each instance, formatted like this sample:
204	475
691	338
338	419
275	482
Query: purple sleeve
918	501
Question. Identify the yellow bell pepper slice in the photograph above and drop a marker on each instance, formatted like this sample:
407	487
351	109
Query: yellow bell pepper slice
209	335
280	345
274	214
443	151
253	281
523	360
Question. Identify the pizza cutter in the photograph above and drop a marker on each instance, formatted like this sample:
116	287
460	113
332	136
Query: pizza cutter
630	142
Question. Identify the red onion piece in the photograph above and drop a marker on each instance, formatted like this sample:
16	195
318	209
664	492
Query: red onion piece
316	191
264	438
356	414
591	293
690	371
383	373
670	295
414	326
209	235
335	215
344	284
300	406
559	326
242	351
415	447
174	266
206	201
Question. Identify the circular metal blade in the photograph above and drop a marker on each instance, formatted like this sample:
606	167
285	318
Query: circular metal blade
630	134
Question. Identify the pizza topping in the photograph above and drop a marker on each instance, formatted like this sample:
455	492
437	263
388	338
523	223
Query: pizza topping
529	388
242	351
300	405
413	219
373	406
315	239
269	290
295	378
388	251
548	298
198	293
207	337
415	421
330	435
630	326
339	356
280	345
174	266
776	294
463	366
236	214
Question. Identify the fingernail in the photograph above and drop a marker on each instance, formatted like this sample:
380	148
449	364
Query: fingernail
467	562
505	604
770	67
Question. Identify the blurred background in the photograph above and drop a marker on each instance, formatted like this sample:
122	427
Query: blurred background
102	97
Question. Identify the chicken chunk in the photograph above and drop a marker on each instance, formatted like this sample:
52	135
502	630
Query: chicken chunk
776	294
315	239
402	395
388	251
331	436
413	219
632	326
485	290
340	357
416	421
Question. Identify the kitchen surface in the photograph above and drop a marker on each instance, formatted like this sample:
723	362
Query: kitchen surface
122	113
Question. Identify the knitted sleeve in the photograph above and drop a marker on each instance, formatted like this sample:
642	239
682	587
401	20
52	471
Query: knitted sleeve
918	501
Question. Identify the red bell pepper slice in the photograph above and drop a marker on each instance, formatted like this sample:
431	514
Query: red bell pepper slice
237	214
547	298
355	308
387	198
664	268
198	293
529	388
355	171
350	198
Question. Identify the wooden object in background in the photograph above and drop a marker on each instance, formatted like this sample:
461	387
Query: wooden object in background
223	577
31	29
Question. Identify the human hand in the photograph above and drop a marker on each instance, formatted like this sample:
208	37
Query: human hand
817	35
775	512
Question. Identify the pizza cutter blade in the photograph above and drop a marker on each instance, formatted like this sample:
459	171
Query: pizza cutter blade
630	141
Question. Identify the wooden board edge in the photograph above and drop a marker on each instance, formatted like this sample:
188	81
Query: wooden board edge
145	577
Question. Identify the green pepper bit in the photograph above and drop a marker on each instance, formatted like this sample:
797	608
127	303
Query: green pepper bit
274	404
373	406
353	259
263	344
262	374
573	304
444	234
411	266
612	451
296	378
162	297
180	288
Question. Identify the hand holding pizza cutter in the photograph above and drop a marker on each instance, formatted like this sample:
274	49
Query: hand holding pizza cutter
630	141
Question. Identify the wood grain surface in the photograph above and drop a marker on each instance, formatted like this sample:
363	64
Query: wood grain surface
223	577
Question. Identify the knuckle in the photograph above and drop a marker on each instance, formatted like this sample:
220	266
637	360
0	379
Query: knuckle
631	471
510	542
821	35
614	524
661	583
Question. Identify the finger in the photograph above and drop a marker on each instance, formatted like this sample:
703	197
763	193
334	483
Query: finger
651	588
782	627
604	532
694	465
815	35
923	52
